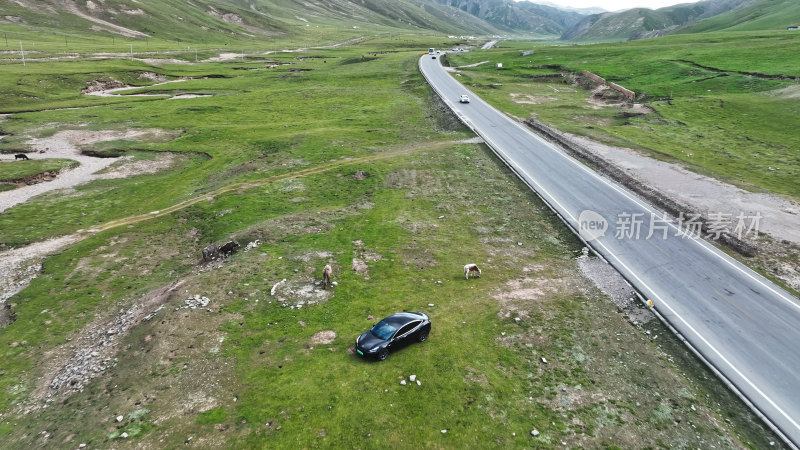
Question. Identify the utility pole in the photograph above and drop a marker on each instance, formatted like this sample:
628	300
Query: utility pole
131	51
22	52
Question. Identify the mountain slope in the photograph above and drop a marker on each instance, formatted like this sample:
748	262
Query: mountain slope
206	21
518	16
763	15
225	20
640	23
165	19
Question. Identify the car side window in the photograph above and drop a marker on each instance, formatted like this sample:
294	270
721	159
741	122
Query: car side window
407	328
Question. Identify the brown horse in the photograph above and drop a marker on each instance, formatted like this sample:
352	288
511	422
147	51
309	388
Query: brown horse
471	268
326	276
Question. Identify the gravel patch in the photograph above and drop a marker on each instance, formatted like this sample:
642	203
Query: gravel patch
19	266
610	282
323	337
780	217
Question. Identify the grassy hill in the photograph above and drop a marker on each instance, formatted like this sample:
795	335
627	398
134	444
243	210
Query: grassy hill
763	15
518	16
640	23
238	21
226	22
621	26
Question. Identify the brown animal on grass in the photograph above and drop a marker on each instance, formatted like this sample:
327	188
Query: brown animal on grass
215	251
471	268
229	248
326	276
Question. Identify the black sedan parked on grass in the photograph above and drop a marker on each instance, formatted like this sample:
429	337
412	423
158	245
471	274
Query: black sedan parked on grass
392	333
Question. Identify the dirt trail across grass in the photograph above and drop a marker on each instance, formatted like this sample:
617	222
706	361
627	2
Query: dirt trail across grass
18	267
270	180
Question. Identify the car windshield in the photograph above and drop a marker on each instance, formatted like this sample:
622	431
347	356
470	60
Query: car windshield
383	330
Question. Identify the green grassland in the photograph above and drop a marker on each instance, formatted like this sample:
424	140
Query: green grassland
765	15
351	157
12	171
724	103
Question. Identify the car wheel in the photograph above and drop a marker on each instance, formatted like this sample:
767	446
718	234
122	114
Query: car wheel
383	354
423	336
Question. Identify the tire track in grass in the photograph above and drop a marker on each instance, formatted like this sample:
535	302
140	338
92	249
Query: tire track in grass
405	150
16	261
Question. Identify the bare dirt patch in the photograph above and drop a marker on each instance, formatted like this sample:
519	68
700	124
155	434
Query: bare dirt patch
531	99
312	255
102	85
610	282
223	57
603	96
153	76
110	87
594	120
360	268
789	92
638	108
521	296
361	256
300	292
21	265
475	64
127	166
323	337
417	181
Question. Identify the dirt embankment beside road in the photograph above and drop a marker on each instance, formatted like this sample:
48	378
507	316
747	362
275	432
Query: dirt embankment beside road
774	247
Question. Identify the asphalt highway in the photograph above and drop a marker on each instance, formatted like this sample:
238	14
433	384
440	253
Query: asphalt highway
746	328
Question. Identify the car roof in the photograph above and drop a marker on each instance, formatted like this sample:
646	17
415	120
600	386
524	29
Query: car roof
402	318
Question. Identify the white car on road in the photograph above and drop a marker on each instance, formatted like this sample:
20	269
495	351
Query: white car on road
464	98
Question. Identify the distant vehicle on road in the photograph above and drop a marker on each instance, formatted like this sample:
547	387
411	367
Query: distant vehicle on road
431	51
464	98
433	56
393	333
